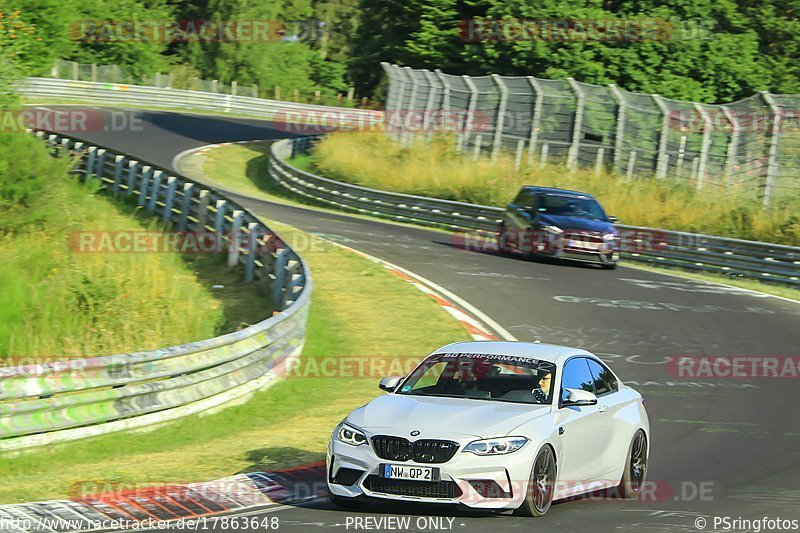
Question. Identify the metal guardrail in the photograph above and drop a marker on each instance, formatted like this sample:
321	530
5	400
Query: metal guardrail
38	399
691	251
137	95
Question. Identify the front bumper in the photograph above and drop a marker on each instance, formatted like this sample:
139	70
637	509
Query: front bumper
480	482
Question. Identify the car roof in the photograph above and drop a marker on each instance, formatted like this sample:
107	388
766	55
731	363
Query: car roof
553	190
532	350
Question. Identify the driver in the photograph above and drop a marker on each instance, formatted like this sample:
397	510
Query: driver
542	392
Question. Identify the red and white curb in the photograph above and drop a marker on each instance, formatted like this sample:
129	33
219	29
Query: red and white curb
209	147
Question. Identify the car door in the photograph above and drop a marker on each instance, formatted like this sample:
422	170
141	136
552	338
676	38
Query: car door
584	429
609	403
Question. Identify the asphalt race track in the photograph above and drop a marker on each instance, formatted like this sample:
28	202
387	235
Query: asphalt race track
720	447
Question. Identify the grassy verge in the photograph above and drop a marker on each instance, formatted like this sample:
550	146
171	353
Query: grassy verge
373	160
61	303
290	423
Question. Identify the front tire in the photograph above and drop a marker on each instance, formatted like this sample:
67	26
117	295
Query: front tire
502	241
635	472
541	486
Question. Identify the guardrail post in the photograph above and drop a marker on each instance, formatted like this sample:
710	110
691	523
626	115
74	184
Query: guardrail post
119	161
279	283
473	104
219	219
772	162
90	159
663	157
186	206
707	127
172	184
252	252
133	168
537	116
100	164
733	145
147	173
577	125
203	209
499	124
619	136
155	190
235	239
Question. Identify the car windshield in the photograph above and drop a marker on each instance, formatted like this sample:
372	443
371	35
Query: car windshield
569	206
499	378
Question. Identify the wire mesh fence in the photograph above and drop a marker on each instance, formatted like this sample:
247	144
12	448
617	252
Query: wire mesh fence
749	149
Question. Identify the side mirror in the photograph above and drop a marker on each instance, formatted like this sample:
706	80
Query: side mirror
390	384
611	219
578	397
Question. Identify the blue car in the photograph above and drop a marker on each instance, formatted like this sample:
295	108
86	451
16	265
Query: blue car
543	221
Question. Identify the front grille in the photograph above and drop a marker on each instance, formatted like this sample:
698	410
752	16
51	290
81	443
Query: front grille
422	489
421	451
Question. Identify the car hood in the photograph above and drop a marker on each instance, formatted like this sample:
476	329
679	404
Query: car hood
579	223
443	418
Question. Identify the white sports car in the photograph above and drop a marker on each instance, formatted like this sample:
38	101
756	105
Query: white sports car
494	425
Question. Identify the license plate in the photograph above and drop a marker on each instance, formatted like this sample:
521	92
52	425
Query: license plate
413	473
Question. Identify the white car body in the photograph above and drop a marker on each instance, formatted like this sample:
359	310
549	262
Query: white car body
591	443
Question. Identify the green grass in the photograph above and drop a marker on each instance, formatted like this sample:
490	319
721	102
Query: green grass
372	159
60	303
288	424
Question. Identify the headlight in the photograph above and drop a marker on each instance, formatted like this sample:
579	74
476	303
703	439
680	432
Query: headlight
500	446
553	229
610	237
350	436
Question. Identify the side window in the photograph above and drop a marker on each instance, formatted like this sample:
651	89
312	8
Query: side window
524	199
604	380
577	376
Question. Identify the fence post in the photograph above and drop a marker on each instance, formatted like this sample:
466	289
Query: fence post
158	79
577	124
94	72
234	86
707	126
476	148
75	73
537	117
772	162
473	104
620	133
501	115
663	157
598	163
448	117
681	155
543	159
426	120
631	165
405	136
518	156
214	86
733	145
